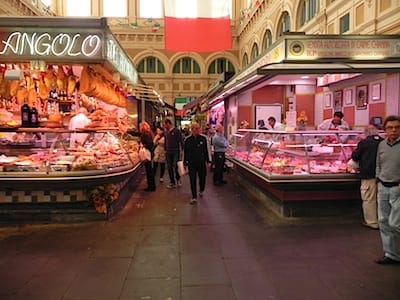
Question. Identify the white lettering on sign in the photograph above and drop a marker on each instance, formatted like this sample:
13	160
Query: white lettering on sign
121	61
44	44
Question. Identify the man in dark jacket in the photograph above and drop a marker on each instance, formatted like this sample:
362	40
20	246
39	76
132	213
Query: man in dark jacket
196	158
173	146
365	155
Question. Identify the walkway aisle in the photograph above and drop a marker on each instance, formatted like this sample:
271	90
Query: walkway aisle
160	247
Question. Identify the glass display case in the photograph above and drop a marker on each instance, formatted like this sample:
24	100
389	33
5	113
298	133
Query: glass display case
297	154
42	152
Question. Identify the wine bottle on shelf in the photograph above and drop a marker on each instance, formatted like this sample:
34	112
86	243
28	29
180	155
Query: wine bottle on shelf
25	112
33	116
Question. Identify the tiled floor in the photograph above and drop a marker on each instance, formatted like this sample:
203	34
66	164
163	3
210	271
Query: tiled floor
160	247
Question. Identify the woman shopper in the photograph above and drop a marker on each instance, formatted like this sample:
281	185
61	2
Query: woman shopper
146	139
196	158
159	152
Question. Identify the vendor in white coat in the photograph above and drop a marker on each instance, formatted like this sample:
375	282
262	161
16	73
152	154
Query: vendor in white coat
335	123
80	120
274	125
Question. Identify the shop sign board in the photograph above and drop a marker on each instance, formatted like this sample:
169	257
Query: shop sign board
343	48
121	62
51	44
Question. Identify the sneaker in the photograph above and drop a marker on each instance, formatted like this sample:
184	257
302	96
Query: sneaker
161	179
201	193
179	183
193	201
171	186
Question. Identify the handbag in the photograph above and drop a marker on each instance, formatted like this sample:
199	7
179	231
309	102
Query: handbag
144	154
182	170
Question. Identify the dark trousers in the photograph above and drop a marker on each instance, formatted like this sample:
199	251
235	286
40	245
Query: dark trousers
162	168
149	175
199	170
172	159
219	163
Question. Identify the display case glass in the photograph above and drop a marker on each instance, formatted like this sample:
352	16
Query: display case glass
33	152
281	153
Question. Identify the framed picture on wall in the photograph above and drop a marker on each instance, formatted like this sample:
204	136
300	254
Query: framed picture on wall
348	97
337	101
328	101
376	92
362	97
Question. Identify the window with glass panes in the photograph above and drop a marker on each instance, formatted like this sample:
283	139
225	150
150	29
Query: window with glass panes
254	51
245	60
186	65
344	23
308	10
220	65
267	40
151	64
78	8
284	23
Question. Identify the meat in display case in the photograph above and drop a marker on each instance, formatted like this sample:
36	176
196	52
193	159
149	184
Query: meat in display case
47	153
40	171
297	154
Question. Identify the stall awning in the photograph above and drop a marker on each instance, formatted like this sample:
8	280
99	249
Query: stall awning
328	68
291	73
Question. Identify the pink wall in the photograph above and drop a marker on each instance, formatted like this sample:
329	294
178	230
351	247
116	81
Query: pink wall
306	103
269	95
245	113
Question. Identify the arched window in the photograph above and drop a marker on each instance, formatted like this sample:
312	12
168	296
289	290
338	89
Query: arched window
220	65
254	52
284	23
308	10
151	64
267	39
186	65
245	60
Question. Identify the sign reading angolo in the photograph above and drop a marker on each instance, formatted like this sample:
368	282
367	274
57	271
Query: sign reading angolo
50	45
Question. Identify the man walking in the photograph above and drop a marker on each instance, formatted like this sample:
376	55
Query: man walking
173	146
196	158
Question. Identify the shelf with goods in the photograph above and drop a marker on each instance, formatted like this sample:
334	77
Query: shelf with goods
297	167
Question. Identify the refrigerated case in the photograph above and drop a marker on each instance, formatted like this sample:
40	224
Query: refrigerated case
297	169
39	168
296	155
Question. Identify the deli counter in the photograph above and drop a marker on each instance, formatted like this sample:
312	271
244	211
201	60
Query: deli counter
297	172
39	168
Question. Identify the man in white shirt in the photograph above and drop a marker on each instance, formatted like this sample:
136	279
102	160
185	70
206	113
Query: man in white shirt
335	123
274	125
80	120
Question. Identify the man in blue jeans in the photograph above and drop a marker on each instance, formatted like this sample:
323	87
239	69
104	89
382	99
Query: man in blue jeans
173	146
388	176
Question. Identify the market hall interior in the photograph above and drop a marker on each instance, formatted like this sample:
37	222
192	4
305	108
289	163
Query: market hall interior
161	247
